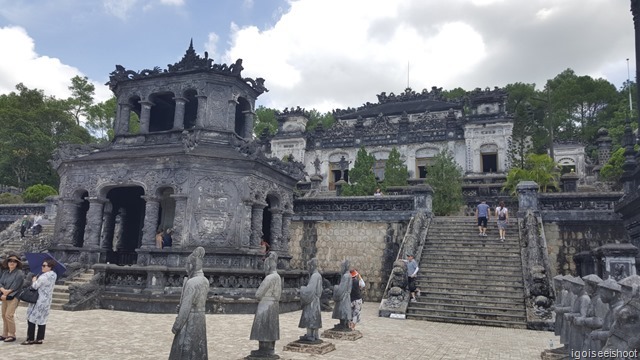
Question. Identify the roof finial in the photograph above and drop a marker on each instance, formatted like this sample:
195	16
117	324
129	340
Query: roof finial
191	44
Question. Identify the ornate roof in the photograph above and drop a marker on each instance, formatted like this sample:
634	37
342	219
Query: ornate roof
190	62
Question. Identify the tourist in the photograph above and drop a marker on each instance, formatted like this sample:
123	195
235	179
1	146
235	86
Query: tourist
24	225
264	246
503	220
412	273
356	297
167	240
482	215
10	281
38	313
159	238
378	192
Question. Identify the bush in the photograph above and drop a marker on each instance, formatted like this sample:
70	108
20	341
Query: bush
37	193
9	198
361	177
445	177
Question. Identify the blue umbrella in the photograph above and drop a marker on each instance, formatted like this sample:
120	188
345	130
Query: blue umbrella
35	261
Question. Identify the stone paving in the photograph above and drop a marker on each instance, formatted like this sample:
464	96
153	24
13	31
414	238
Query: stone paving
106	334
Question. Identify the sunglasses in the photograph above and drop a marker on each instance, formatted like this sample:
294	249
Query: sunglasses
13	261
45	265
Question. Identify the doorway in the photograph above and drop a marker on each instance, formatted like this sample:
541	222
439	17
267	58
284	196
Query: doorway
128	218
489	163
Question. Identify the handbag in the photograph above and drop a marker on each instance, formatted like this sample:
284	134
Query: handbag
28	294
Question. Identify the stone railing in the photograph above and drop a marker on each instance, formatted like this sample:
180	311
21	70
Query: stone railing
12	212
578	201
355	208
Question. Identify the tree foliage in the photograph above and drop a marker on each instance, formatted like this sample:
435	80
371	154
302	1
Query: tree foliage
316	117
100	119
37	193
265	119
81	100
9	198
539	168
445	177
395	171
362	180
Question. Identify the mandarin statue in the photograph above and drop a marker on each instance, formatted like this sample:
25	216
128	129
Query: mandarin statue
266	323
311	317
190	328
342	298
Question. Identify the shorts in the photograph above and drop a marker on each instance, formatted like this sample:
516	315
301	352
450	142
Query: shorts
502	224
482	221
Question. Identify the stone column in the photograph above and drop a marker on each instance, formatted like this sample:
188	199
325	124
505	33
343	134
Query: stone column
286	235
66	221
179	235
178	117
145	116
93	226
230	121
423	197
248	124
121	126
527	196
202	110
257	212
108	224
151	209
276	229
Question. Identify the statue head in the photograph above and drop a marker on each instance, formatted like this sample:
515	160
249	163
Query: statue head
313	265
557	282
608	290
591	283
576	285
194	261
345	266
271	263
630	287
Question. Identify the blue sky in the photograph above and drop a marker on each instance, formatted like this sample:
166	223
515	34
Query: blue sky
320	54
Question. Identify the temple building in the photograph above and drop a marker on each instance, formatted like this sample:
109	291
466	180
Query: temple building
419	125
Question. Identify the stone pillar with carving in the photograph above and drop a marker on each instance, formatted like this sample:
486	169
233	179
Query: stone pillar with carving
108	224
248	123
151	211
231	114
180	234
202	111
178	117
257	212
121	126
67	221
286	233
93	226
145	116
276	229
527	197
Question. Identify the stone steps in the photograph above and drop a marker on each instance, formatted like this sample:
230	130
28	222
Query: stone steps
468	279
61	292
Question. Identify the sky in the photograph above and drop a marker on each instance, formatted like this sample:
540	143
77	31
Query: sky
321	54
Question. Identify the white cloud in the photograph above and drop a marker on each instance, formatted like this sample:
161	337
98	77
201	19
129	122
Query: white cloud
247	4
34	70
119	8
172	2
212	45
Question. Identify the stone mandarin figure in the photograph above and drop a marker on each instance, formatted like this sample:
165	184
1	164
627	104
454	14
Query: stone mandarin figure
311	317
342	298
578	310
266	323
190	328
595	312
625	331
561	293
609	291
565	308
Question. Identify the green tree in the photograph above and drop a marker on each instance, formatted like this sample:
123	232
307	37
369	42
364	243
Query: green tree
101	118
9	198
395	171
361	178
519	104
266	118
37	193
445	177
81	100
315	118
539	168
612	170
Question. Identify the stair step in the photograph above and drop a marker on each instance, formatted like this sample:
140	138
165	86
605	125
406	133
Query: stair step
445	260
429	304
493	290
499	316
471	299
468	321
475	275
486	269
435	281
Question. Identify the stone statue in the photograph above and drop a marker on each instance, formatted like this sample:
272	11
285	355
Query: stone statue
266	323
625	331
578	309
342	297
190	328
609	291
311	317
561	293
564	308
596	311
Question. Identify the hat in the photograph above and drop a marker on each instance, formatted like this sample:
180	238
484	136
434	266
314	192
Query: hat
630	281
409	255
610	284
576	280
13	256
354	273
592	279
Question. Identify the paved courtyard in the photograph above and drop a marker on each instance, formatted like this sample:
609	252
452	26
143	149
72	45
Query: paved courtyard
105	334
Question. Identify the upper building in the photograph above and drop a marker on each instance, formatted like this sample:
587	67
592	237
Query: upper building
476	131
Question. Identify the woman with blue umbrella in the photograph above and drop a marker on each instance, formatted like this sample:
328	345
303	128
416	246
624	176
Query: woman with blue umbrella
38	313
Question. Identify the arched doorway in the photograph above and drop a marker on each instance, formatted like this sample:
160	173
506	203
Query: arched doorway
167	208
125	233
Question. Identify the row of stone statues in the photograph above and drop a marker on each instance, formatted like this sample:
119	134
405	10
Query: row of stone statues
595	315
190	341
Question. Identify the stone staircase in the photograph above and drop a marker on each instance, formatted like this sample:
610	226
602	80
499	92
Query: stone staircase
61	292
468	279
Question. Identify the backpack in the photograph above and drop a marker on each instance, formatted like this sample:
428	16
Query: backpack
502	214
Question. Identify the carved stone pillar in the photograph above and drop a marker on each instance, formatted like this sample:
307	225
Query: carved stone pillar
276	229
230	121
257	212
178	118
151	210
108	223
286	233
145	116
67	221
202	111
121	126
248	123
179	235
527	197
93	226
